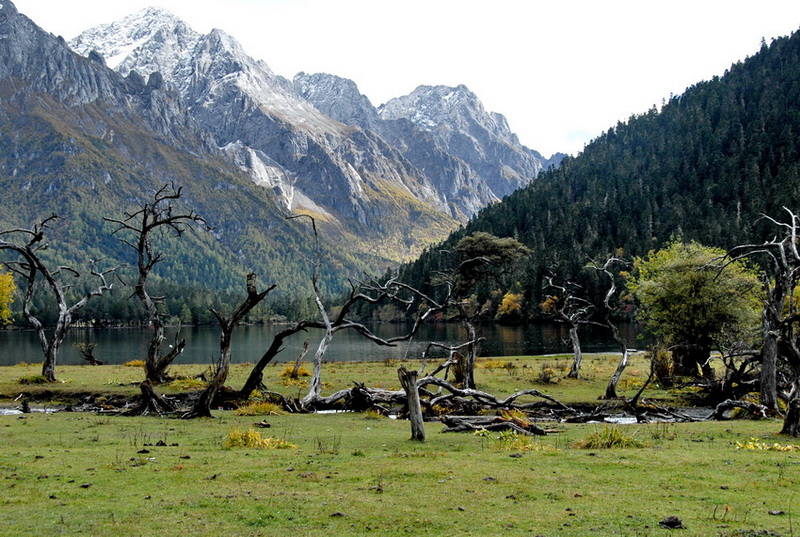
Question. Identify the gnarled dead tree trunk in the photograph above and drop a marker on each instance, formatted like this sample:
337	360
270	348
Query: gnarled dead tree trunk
29	268
791	422
255	379
372	293
408	380
86	350
202	408
611	388
150	402
780	316
295	374
154	217
572	310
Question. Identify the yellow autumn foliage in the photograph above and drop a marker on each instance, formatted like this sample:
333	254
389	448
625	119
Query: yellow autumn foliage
511	305
7	288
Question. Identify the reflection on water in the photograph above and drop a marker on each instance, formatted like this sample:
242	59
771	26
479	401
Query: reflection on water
119	345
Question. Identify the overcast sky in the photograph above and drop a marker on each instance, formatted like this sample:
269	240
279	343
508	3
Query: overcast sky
561	71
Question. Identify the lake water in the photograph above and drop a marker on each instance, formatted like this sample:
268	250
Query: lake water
119	345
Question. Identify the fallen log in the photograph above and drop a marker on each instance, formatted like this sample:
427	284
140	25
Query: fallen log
484	398
460	424
730	404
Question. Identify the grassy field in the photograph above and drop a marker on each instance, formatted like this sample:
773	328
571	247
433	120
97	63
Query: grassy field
356	474
498	376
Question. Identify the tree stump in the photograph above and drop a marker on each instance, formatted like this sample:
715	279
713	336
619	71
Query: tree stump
408	380
791	423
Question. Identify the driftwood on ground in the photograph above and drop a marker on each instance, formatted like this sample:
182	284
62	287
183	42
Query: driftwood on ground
460	424
730	404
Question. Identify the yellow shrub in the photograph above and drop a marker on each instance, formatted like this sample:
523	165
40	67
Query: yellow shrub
261	408
302	371
253	439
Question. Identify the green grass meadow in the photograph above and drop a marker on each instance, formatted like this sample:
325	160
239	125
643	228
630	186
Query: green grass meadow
356	474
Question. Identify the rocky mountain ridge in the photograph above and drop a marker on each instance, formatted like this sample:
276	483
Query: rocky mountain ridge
324	147
82	141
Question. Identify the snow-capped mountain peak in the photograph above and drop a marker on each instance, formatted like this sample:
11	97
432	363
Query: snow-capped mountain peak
429	107
121	42
316	141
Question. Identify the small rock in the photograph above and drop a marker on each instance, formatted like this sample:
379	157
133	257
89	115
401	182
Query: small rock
338	514
490	478
724	487
672	523
161	443
86	485
776	513
143	451
461	508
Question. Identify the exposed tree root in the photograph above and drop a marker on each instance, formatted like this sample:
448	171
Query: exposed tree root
150	402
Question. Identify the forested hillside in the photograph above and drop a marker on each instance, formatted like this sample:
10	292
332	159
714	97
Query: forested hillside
80	141
704	168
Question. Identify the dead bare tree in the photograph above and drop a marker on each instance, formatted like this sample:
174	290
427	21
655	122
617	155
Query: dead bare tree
370	292
605	270
295	374
780	315
477	257
141	226
256	377
566	307
202	408
29	268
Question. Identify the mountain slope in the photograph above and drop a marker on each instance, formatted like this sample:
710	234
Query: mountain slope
78	139
348	177
470	156
704	167
325	148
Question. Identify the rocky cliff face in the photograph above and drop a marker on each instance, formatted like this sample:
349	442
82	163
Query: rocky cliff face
469	156
456	121
85	142
312	162
36	65
323	145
